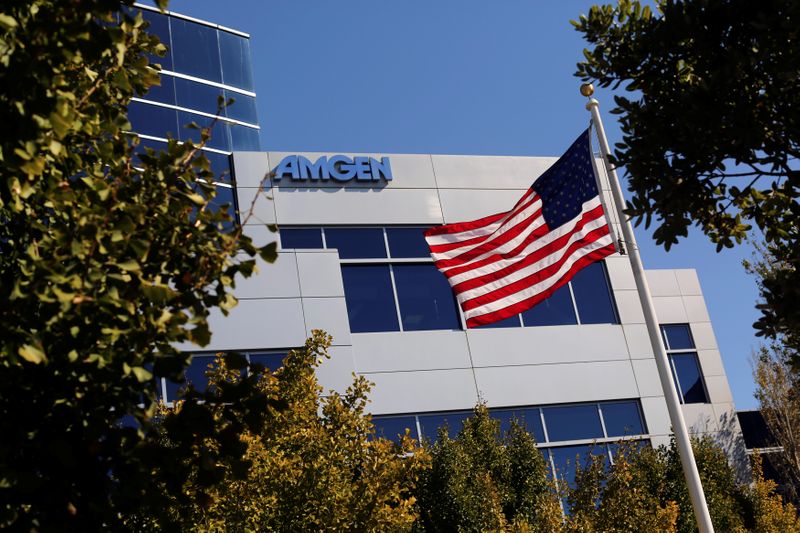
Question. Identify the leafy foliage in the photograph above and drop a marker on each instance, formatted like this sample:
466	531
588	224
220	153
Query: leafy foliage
106	263
711	123
315	466
484	481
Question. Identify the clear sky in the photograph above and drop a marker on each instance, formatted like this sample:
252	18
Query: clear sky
452	77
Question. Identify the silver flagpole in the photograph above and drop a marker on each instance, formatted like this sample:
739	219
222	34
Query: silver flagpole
662	362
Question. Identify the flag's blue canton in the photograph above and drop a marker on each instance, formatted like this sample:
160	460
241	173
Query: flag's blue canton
566	185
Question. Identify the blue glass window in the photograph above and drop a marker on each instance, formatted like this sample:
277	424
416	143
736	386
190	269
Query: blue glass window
393	427
147	119
622	419
194	374
430	424
301	238
243	107
271	361
407	242
197	96
157	147
553	311
236	65
195	50
614	447
689	380
566	458
220	166
677	337
426	300
164	93
593	295
219	132
159	26
369	297
244	138
510	322
225	199
530	419
572	422
356	243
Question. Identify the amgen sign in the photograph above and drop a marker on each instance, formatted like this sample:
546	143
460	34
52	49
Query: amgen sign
337	167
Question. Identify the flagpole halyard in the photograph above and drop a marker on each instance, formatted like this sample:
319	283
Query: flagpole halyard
682	439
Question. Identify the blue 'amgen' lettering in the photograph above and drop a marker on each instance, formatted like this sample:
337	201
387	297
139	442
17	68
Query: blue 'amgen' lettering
340	168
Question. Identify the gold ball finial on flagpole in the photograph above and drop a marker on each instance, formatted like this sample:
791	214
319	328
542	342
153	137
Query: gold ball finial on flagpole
587	89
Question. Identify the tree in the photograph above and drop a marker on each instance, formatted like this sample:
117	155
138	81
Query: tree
777	394
315	466
711	124
485	481
107	261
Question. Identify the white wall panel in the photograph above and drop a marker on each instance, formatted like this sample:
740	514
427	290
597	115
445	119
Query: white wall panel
337	372
255	206
273	280
647	378
462	205
688	282
629	307
703	336
496	172
670	310
656	415
431	390
259	324
718	389
620	272
250	168
328	314
570	382
662	283
546	344
711	362
357	206
260	234
320	273
409	171
410	350
696	309
638	340
700	418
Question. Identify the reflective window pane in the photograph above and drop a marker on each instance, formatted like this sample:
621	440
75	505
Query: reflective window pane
144	144
572	422
196	373
164	92
197	96
301	238
393	427
195	50
690	382
430	424
593	295
159	26
622	419
236	64
225	199
407	242
356	243
510	322
271	361
244	138
369	298
243	107
530	419
426	300
219	132
147	119
553	311
566	458
220	166
677	337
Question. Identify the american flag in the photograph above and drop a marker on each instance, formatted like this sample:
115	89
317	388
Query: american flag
503	264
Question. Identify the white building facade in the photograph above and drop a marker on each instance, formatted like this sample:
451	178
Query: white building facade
578	368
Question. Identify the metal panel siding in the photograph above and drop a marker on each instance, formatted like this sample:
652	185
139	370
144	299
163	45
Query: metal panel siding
320	273
460	205
547	344
258	324
250	168
328	314
432	390
411	350
255	206
273	280
488	172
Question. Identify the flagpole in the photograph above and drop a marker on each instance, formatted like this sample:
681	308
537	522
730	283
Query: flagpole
662	362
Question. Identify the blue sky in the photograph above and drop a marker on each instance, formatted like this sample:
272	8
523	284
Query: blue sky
452	77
